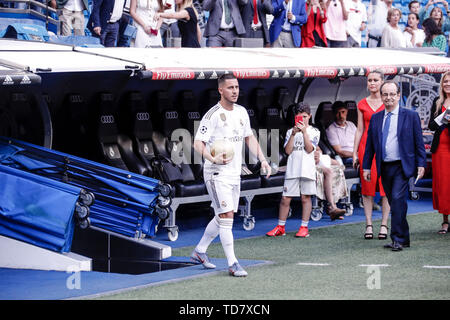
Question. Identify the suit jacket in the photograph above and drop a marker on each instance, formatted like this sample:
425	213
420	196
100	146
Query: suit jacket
101	13
215	8
410	140
247	16
433	126
312	25
279	17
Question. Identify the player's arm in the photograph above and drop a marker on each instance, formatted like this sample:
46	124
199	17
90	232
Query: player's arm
200	147
255	148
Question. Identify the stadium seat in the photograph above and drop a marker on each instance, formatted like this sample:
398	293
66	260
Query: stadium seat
167	120
74	134
136	122
116	148
352	114
22	110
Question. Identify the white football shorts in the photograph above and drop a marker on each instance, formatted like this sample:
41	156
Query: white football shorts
298	186
224	196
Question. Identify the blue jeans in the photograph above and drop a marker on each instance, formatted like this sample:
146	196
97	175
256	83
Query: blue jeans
108	36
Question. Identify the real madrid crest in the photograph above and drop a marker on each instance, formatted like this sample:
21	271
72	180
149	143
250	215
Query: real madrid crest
241	122
223	117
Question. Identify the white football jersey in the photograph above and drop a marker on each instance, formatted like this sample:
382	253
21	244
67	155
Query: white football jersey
301	164
233	126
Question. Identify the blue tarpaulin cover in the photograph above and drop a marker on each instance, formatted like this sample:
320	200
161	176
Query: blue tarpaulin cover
36	210
124	202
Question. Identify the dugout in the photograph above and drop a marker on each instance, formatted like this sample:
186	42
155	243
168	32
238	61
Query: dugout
138	109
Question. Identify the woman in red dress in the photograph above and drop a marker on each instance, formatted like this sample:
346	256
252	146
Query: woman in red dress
366	108
312	31
440	149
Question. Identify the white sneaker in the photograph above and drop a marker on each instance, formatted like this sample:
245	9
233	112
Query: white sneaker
237	271
202	258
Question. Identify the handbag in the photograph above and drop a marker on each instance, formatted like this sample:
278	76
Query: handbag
166	170
130	31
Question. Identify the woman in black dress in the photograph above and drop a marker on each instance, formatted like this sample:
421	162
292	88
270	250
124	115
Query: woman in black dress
187	23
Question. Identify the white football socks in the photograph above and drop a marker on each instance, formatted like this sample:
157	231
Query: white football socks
226	238
211	232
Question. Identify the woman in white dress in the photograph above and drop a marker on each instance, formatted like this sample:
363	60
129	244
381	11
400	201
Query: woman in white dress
413	35
392	36
143	13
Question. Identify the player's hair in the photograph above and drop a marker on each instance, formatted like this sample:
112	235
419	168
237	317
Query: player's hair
225	76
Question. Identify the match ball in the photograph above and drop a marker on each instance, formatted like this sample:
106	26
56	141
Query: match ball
221	146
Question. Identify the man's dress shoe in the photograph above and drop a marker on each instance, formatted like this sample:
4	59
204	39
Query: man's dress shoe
396	246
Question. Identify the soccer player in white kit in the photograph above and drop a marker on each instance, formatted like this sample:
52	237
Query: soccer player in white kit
230	122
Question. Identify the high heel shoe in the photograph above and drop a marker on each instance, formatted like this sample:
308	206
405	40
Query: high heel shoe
383	236
368	235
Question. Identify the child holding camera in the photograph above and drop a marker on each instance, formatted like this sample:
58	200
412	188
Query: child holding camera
300	178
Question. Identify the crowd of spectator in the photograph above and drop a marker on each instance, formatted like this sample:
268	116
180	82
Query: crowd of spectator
273	23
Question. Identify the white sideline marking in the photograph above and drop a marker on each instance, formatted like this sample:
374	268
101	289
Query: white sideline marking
312	264
437	267
374	265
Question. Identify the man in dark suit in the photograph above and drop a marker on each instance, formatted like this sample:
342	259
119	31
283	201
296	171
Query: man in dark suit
395	138
254	20
104	20
288	17
224	22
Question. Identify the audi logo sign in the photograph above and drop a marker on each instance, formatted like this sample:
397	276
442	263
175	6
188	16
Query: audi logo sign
142	116
105	119
171	115
193	115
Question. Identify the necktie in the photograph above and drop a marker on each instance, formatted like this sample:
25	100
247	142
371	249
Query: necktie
385	133
255	13
227	12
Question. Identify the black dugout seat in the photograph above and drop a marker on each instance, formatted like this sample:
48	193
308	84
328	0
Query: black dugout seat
168	121
116	148
352	114
23	115
323	118
136	122
188	110
270	119
74	133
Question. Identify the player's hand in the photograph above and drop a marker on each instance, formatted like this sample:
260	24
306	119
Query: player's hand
221	159
265	168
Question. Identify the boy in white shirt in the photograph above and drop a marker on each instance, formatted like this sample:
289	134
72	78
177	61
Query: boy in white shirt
300	177
228	122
